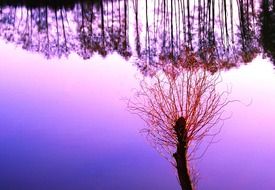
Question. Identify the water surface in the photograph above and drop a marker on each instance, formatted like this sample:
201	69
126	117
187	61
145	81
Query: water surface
64	122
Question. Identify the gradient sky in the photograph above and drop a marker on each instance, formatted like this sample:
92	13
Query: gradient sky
64	125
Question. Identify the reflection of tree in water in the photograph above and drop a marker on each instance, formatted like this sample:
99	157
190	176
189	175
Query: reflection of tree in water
181	106
205	28
222	33
85	28
267	28
247	31
103	28
67	4
37	29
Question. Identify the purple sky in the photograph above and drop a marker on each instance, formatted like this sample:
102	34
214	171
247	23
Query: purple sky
64	125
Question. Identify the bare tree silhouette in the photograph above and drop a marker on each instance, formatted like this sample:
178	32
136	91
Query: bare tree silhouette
180	106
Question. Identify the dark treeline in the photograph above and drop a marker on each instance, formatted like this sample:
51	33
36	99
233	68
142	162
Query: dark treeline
68	4
104	29
267	28
219	34
89	27
200	32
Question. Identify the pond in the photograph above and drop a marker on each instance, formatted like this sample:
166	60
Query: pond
68	69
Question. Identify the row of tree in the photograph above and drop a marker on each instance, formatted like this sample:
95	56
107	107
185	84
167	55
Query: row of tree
221	34
207	29
87	28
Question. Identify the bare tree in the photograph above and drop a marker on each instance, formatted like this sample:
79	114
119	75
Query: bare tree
180	106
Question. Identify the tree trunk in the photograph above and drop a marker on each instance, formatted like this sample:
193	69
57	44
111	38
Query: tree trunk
180	155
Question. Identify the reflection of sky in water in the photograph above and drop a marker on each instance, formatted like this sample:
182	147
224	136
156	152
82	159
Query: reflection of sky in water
64	126
244	158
